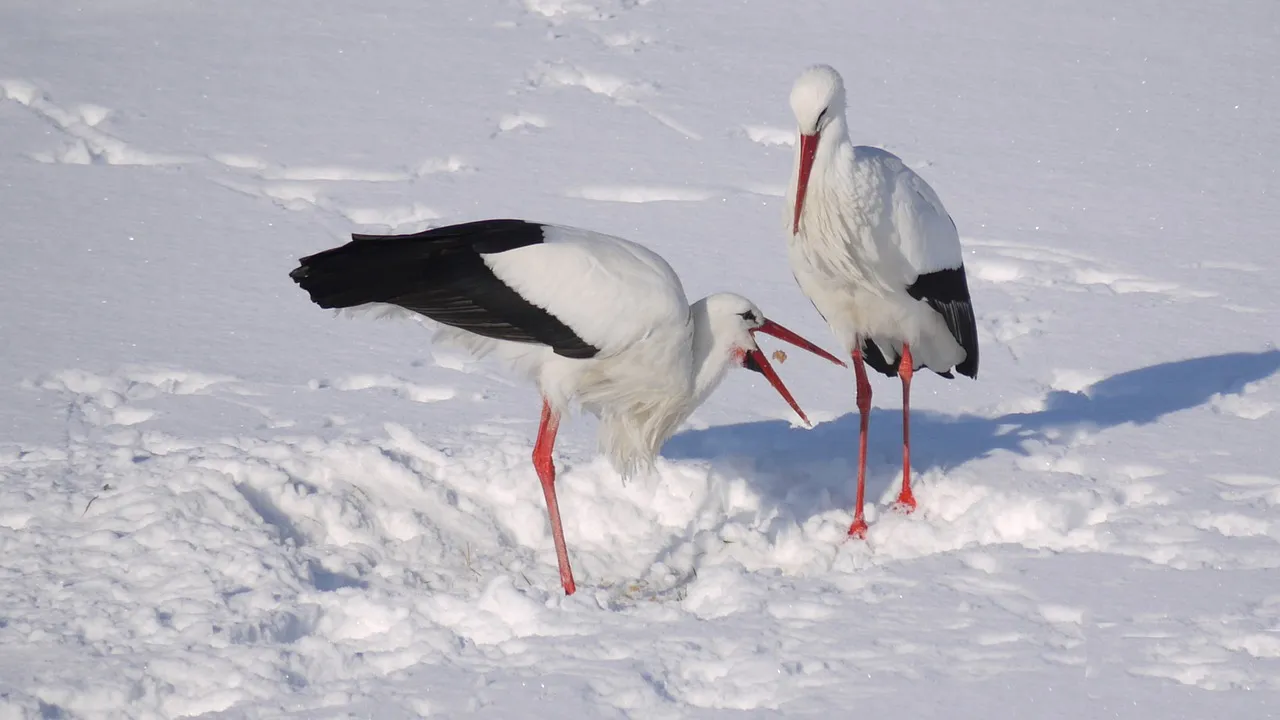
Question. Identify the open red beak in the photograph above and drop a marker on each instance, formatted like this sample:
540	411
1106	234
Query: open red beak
757	361
808	149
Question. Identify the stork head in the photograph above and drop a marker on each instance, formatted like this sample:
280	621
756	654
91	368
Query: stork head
733	322
817	99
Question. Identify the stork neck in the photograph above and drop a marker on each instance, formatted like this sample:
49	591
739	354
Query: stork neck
712	353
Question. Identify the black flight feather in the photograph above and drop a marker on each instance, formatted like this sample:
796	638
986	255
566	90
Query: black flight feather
947	292
441	274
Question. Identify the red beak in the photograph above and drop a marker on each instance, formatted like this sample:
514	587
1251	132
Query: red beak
808	149
772	328
758	361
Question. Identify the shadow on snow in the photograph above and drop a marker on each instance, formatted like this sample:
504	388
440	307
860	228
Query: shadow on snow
780	456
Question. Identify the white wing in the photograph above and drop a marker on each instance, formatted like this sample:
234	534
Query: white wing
611	292
926	236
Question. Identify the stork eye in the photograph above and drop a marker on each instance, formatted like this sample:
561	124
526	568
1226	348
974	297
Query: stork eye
818	125
749	317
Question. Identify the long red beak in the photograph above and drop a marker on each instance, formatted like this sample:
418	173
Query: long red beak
808	149
761	363
772	328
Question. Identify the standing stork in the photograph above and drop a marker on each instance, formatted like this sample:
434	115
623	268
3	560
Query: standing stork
590	318
879	257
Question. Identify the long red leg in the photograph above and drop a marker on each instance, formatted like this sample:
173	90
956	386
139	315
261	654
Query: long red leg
906	368
859	527
547	474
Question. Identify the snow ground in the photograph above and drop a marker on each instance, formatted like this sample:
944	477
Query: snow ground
219	501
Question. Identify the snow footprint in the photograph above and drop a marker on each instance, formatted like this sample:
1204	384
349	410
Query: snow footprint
107	400
624	93
642	193
88	143
401	388
305	188
1003	262
521	122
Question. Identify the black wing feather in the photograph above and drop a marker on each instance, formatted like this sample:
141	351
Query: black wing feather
441	274
947	292
876	359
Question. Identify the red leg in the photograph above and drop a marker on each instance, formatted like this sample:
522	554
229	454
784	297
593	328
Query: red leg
859	527
906	368
547	474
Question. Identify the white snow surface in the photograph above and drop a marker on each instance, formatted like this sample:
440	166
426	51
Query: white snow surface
217	500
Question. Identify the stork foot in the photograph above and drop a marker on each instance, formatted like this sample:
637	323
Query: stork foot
859	528
906	503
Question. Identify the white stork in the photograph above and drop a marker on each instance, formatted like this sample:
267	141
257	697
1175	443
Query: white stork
590	318
879	257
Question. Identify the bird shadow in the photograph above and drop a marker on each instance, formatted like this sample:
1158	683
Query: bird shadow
779	458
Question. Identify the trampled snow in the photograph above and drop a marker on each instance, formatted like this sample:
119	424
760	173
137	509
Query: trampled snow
217	500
